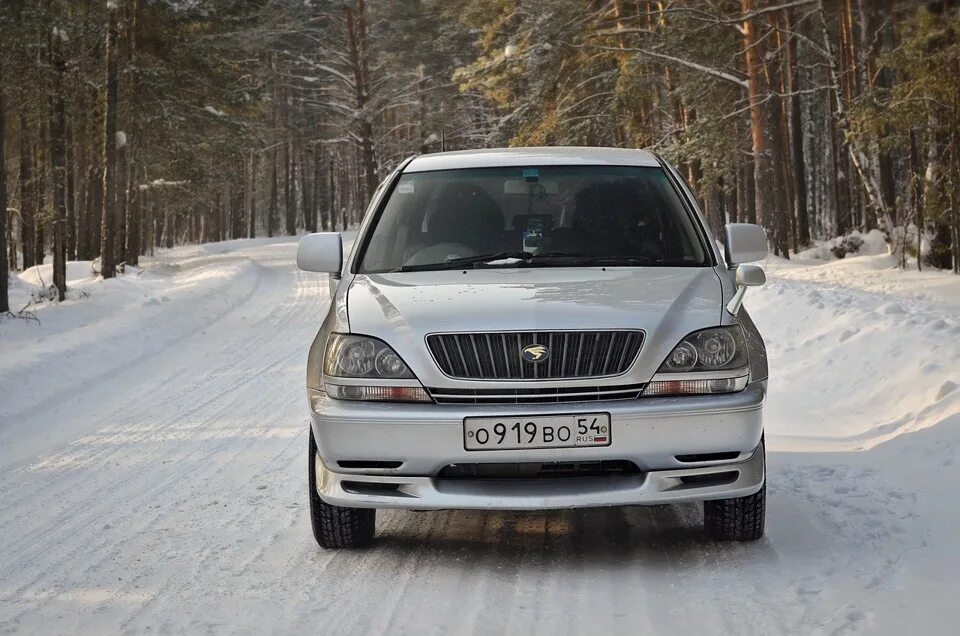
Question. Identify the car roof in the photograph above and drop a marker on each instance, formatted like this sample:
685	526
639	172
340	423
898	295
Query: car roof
541	156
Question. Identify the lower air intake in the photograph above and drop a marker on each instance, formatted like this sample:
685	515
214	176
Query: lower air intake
538	470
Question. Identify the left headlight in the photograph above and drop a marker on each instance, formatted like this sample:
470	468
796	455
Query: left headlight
707	361
365	368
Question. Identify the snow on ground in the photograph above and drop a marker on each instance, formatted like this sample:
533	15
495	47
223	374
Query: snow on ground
153	471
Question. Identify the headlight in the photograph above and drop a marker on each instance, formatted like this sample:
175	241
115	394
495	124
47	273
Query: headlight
362	357
715	349
361	368
708	361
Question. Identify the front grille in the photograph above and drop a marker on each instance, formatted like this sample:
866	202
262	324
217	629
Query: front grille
571	354
539	470
536	395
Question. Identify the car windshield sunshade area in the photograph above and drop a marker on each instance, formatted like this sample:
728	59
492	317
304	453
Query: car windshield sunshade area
534	216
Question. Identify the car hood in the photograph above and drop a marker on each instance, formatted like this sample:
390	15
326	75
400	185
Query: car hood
667	303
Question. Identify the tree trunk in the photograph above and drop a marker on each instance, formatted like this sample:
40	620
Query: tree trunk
58	159
239	208
28	224
84	192
71	227
332	197
309	208
95	215
857	157
169	230
318	160
4	266
39	193
748	206
289	205
796	141
779	144
134	214
252	219
916	193
955	177
122	174
356	18
272	212
108	221
134	197
761	120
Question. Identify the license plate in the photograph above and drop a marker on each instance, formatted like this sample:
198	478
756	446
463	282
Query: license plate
536	431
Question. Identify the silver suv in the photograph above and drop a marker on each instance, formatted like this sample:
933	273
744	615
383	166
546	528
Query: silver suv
535	328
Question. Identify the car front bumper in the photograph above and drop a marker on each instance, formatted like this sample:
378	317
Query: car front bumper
389	455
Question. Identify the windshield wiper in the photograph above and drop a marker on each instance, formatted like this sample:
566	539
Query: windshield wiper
579	260
466	261
620	260
528	259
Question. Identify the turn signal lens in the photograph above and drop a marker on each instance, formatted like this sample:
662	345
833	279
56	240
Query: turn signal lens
695	387
377	393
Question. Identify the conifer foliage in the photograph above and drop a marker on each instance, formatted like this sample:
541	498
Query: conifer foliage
128	125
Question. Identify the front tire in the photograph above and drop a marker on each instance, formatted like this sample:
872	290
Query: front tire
337	526
737	518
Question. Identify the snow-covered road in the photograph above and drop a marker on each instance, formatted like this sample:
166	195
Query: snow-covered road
153	477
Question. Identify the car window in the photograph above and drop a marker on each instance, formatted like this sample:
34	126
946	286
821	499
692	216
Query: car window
548	215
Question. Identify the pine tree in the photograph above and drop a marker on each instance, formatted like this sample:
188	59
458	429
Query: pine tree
108	227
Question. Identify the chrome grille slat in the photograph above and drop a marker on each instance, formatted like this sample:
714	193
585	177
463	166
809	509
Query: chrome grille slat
476	354
506	361
573	354
493	360
610	347
576	365
628	345
536	367
535	396
563	362
446	354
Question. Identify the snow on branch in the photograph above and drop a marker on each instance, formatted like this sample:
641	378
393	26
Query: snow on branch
713	72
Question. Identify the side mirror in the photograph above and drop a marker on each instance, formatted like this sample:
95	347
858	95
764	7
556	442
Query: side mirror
746	276
320	252
749	276
744	242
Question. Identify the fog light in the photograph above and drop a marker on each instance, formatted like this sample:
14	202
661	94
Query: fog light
377	393
695	387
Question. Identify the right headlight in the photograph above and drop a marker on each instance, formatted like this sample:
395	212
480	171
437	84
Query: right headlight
711	360
364	368
350	356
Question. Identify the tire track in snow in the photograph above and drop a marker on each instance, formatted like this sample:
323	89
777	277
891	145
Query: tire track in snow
95	514
138	432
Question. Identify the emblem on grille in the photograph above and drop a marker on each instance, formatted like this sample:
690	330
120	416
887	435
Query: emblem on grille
535	353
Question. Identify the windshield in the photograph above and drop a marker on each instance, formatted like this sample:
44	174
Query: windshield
536	216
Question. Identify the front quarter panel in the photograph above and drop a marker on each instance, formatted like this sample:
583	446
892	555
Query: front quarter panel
336	321
756	349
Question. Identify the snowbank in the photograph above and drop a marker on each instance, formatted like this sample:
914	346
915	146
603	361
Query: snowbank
873	243
107	326
876	349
